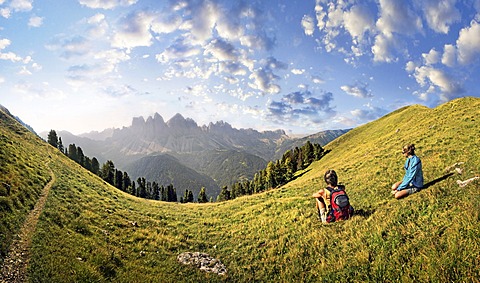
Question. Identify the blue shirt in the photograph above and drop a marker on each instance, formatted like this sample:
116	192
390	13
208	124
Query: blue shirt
413	173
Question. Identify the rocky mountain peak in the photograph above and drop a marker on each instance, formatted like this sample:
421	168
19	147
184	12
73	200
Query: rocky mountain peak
178	121
138	122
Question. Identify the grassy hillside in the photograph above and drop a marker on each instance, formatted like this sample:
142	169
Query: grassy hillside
91	232
23	173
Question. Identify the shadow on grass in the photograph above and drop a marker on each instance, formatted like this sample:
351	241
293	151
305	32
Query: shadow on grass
431	183
365	213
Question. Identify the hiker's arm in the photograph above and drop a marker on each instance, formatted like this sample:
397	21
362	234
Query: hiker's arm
318	194
410	174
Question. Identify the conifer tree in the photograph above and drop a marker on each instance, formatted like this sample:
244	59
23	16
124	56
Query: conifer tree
88	163
133	192
171	193
119	180
318	151
270	175
80	156
60	145
190	196
184	198
95	166
72	152
164	194
156	191
307	152
142	189
127	183
52	138
224	194
108	172
202	196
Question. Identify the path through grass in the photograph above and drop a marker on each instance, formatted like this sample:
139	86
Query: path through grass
14	269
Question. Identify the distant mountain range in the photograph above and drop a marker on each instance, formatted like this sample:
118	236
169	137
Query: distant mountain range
161	151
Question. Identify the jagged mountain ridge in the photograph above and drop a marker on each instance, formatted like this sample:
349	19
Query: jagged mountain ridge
183	135
217	150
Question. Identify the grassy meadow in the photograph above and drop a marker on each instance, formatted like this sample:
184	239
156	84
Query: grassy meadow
91	232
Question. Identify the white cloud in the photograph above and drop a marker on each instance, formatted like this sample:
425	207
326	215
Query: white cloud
35	21
97	25
166	24
317	80
106	4
5	12
89	72
4	43
395	18
24	71
430	77
182	48
298	71
358	21
335	15
111	56
263	81
440	14
432	57
302	107
410	66
449	57
21	5
308	25
204	18
468	43
70	46
383	49
319	15
134	31
372	113
10	56
221	50
357	90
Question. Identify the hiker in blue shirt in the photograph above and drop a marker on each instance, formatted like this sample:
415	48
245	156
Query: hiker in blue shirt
413	180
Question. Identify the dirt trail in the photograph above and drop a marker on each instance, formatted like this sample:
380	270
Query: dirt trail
15	265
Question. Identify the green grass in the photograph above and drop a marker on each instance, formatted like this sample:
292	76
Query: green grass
23	159
85	233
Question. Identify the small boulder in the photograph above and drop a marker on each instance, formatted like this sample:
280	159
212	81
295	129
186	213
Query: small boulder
203	261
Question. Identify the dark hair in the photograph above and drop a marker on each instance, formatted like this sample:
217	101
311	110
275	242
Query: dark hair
331	178
410	149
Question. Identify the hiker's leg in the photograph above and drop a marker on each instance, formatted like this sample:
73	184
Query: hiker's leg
408	191
395	186
401	194
321	209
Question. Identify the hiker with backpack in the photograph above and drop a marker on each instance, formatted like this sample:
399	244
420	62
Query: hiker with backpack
332	202
412	181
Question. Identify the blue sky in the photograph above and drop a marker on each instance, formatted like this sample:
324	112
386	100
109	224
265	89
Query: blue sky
302	66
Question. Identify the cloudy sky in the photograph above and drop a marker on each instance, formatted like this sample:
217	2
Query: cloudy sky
303	66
